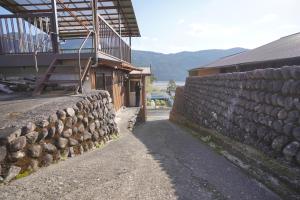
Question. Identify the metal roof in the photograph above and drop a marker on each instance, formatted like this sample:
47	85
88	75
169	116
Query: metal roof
141	71
110	10
285	48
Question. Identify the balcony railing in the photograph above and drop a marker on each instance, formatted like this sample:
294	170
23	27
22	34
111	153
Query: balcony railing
30	33
112	43
25	33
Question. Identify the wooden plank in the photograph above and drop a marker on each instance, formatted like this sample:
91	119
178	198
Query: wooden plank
15	44
8	36
25	36
35	29
20	34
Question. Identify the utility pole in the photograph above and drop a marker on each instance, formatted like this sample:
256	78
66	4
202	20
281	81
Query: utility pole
55	30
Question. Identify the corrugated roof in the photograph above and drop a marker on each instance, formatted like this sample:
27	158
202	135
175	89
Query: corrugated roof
144	71
284	48
108	9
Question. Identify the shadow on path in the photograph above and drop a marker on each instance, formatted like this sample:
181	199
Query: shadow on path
195	170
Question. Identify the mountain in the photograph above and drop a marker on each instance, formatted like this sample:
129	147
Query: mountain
175	66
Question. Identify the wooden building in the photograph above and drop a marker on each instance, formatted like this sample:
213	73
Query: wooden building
137	76
281	52
82	44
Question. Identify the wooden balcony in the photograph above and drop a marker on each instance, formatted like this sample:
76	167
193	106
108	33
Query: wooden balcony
32	34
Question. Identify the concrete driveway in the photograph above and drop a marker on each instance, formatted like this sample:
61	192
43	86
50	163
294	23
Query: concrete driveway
158	161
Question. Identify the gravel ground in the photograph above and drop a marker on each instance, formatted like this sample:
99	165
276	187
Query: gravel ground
159	161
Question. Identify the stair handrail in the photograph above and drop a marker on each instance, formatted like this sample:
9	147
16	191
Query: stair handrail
79	56
85	71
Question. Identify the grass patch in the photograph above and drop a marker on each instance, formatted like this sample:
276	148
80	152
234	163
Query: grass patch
115	136
23	174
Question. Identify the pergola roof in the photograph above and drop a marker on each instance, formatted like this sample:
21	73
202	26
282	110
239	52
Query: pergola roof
110	10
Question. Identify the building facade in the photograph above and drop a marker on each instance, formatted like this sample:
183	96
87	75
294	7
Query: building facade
80	45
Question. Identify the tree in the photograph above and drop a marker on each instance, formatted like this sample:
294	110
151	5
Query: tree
171	86
152	79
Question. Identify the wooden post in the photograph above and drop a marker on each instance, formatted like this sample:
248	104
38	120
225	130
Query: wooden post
130	49
96	30
143	113
54	27
120	32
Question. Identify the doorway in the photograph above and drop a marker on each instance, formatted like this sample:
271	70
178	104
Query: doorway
132	95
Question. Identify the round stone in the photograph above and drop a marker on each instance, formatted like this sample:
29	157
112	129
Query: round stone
282	114
291	150
298	158
67	133
3	153
71	152
288	103
13	171
43	134
51	132
296	133
18	144
61	114
53	118
47	159
73	142
49	148
293	116
35	151
70	112
95	136
85	121
92	127
287	129
81	128
59	126
74	119
295	72
279	142
17	155
261	132
44	123
87	135
62	143
80	117
34	165
69	122
30	127
277	126
32	137
75	130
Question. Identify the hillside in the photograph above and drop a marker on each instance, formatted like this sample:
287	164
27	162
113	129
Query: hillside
174	66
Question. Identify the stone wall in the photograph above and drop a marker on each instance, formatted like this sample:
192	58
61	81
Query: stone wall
260	108
71	131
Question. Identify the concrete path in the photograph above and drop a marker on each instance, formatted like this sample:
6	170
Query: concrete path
159	161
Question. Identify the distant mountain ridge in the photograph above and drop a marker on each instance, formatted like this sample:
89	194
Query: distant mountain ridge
175	66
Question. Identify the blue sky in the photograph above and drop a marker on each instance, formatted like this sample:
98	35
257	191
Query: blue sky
171	26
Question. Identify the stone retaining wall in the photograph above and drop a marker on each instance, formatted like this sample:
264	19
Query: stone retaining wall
260	108
71	131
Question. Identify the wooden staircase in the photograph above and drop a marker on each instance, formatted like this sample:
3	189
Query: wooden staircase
60	63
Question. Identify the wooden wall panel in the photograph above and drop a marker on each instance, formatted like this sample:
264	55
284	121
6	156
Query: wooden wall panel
204	72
